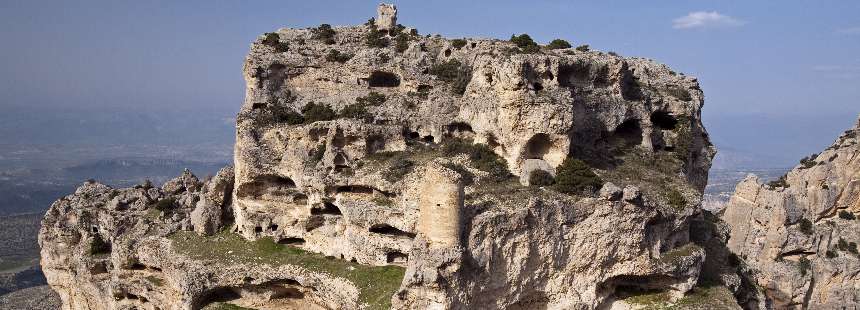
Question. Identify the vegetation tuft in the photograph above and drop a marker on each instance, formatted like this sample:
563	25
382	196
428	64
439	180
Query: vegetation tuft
558	44
804	265
481	156
274	40
676	199
780	182
324	33
453	72
458	43
583	48
808	161
574	176
845	215
337	56
540	178
315	112
805	226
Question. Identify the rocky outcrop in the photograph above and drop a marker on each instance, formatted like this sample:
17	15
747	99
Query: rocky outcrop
378	168
800	232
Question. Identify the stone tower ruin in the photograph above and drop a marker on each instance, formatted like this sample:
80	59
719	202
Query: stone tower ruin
386	16
440	203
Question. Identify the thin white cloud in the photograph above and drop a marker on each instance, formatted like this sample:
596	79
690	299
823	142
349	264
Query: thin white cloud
848	72
849	31
702	19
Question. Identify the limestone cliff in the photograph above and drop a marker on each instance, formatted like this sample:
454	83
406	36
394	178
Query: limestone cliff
376	168
800	232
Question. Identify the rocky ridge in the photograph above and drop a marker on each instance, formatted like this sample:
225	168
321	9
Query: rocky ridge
800	232
376	168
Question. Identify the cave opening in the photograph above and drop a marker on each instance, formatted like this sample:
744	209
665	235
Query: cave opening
385	229
537	146
326	208
664	120
383	79
396	257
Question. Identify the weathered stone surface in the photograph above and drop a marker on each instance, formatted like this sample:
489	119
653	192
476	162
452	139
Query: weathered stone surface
798	235
393	158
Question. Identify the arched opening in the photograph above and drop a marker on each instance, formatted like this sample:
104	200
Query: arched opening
396	257
221	294
325	208
629	133
456	127
273	227
383	79
664	120
266	187
427	139
537	86
537	146
385	229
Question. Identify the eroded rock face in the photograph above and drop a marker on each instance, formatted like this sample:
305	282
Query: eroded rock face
801	234
359	165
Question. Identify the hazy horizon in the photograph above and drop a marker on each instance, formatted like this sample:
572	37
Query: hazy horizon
779	79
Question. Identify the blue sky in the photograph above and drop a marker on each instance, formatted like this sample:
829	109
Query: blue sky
780	77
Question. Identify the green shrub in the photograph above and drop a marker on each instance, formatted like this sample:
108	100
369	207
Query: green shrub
558	44
805	226
371	22
804	265
843	245
574	176
318	154
288	116
523	41
611	53
453	72
99	246
481	156
830	254
315	112
401	43
845	215
324	33
165	205
354	111
337	56
274	40
458	43
540	178
676	199
583	48
679	93
808	161
372	99
780	182
375	38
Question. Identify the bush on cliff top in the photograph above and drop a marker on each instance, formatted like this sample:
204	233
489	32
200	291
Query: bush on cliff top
324	33
574	176
558	44
274	40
